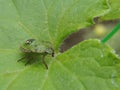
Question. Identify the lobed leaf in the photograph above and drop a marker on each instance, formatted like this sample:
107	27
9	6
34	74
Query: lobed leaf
114	12
87	66
45	19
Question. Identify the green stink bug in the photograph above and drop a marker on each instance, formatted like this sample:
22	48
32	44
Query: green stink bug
33	46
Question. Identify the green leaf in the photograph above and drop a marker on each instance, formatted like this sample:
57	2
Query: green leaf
45	19
87	66
114	12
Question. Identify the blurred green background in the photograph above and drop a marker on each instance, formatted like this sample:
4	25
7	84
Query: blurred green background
99	31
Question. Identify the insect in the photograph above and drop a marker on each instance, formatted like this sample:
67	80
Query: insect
33	46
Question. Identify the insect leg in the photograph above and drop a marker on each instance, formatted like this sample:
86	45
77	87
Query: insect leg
52	52
21	59
29	60
44	61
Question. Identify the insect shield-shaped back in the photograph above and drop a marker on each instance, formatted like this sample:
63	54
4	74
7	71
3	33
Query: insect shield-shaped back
33	46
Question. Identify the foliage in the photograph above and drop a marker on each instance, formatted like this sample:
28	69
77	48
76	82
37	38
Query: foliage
89	65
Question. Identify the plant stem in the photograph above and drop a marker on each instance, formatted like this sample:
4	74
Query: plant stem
105	39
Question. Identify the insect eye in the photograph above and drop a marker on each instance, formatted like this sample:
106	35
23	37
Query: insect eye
29	41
